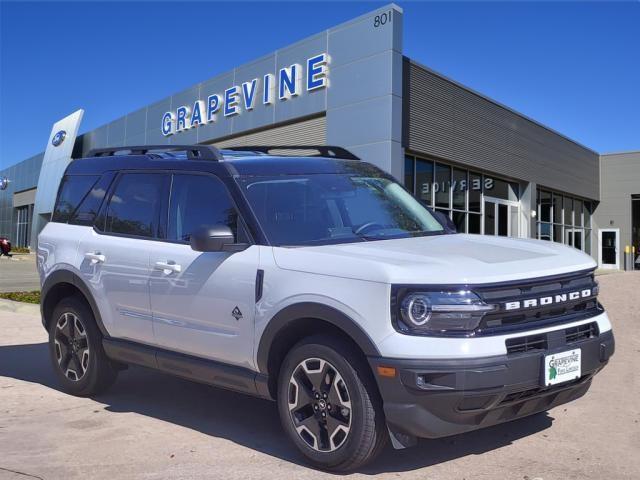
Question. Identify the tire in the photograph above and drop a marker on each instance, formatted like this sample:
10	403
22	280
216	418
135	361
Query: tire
75	347
352	431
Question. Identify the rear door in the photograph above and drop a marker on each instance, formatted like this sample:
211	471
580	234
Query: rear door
115	254
203	303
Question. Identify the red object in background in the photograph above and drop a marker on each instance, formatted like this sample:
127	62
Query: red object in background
5	246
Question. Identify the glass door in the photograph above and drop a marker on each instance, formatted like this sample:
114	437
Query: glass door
609	245
501	217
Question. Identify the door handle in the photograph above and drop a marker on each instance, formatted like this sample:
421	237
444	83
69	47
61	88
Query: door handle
95	257
168	267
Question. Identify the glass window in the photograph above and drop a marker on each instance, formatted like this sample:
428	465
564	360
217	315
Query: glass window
326	209
557	208
474	222
424	180
459	188
545	231
88	209
577	213
494	187
134	206
587	214
459	221
568	211
442	184
545	205
587	241
198	201
475	192
557	233
73	189
409	174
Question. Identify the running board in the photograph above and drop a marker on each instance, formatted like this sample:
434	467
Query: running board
201	370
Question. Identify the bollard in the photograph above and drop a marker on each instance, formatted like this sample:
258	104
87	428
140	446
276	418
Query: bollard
627	251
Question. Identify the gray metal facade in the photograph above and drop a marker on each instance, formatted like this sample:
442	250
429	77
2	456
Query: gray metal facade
449	121
619	180
23	176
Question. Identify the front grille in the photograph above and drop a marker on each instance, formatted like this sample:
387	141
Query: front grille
581	332
571	310
527	343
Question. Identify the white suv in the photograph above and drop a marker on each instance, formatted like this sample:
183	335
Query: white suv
318	282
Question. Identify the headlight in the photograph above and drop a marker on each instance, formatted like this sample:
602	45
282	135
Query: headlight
441	312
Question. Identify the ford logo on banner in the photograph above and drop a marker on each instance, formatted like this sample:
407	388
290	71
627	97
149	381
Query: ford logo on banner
4	183
58	138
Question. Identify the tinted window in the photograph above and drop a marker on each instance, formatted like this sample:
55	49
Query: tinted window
73	189
86	212
335	208
198	201
135	204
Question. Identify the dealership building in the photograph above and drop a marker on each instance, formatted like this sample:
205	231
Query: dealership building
494	171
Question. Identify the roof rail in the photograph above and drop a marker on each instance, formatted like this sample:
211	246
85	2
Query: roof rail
194	152
323	150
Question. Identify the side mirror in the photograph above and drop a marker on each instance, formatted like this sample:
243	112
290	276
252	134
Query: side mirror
212	239
445	221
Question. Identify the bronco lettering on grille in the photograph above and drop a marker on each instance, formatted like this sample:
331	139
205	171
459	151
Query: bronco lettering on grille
548	300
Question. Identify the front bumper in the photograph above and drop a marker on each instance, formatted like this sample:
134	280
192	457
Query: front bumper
438	398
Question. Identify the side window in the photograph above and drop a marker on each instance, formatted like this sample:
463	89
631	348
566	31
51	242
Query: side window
134	206
86	212
197	201
73	189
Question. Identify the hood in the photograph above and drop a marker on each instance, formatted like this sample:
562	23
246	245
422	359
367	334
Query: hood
441	259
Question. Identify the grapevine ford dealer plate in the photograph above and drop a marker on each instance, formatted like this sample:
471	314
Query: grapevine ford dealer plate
562	367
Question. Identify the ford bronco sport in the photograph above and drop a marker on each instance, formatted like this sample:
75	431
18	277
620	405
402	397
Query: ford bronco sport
315	281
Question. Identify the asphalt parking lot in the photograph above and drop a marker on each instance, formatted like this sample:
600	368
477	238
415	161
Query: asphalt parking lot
18	273
154	426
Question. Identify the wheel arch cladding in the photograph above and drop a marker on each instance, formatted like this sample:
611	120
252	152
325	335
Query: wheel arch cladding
301	320
61	284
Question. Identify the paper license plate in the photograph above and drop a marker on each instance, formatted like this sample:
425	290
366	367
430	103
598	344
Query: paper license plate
562	367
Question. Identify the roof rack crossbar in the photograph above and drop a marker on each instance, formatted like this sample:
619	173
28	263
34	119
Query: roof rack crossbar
194	152
323	150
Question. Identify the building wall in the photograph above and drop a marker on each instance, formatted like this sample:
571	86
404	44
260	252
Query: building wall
312	131
449	121
619	180
362	102
22	176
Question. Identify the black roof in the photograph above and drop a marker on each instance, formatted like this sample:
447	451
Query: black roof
252	161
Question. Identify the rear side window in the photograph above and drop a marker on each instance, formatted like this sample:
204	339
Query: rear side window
134	206
88	209
73	189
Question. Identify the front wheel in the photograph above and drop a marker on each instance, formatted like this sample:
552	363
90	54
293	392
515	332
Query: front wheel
329	405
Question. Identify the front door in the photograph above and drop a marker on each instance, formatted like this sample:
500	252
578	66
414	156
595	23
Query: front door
203	303
609	241
501	217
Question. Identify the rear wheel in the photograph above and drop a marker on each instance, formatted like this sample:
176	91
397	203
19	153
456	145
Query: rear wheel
75	345
329	406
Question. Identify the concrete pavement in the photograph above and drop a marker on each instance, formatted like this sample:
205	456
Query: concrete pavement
153	426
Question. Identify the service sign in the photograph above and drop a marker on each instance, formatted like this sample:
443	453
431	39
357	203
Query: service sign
284	85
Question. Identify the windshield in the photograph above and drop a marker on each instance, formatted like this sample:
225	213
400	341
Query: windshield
321	209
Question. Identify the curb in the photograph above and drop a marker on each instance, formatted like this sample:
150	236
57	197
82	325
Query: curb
19	307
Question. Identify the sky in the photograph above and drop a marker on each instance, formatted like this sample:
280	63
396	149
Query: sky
573	66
